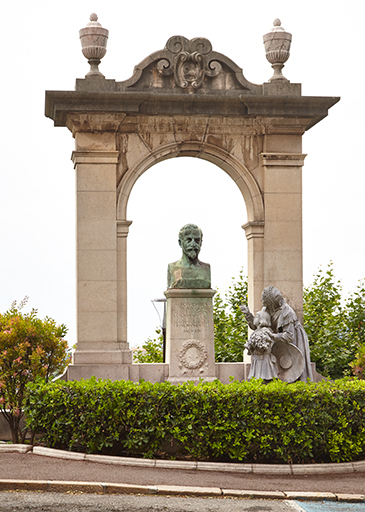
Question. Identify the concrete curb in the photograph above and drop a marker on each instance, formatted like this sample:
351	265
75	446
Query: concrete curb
259	469
167	490
19	448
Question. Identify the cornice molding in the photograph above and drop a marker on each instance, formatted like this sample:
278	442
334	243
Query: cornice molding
94	157
123	228
282	159
254	229
306	110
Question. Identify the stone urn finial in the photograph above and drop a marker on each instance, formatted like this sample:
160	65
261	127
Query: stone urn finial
277	48
93	41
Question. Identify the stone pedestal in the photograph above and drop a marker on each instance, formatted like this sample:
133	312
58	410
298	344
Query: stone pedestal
190	335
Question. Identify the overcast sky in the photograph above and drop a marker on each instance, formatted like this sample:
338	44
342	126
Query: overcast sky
42	51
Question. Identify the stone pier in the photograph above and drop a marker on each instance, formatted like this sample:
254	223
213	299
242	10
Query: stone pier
190	335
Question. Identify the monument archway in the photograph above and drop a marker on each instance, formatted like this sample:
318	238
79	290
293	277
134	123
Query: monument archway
170	194
184	100
235	169
215	154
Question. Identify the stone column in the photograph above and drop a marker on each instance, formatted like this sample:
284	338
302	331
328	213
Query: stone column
190	335
283	261
122	234
255	253
98	352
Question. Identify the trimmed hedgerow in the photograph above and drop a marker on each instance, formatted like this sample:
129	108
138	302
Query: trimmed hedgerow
241	421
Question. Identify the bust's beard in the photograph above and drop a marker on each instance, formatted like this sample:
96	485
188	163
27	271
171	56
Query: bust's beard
192	254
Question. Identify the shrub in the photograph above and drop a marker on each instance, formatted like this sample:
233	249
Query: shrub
241	421
30	348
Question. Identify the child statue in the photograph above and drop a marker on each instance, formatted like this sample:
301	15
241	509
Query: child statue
263	362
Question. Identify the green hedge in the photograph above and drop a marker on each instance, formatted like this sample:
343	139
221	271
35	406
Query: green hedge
241	421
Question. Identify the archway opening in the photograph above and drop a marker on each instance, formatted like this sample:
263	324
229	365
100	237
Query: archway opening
171	194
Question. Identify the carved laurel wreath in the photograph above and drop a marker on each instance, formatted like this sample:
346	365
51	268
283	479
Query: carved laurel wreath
189	61
192	365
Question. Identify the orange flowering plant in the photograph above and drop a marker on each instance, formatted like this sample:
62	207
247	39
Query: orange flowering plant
30	348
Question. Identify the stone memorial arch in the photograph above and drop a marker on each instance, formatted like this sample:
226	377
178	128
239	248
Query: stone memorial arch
185	100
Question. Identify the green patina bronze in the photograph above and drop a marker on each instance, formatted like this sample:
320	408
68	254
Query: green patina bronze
189	271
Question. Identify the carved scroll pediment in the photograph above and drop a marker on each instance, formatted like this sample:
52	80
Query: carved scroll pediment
189	61
189	65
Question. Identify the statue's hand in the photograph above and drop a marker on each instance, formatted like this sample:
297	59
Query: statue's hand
245	310
279	337
273	337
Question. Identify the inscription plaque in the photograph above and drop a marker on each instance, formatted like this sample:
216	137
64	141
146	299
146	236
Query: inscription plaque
190	315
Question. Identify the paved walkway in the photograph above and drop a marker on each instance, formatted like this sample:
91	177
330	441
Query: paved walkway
55	470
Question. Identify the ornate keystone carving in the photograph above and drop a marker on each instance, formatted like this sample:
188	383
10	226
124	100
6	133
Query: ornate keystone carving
190	61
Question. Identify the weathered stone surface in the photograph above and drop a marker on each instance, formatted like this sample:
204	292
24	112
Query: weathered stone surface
280	469
226	467
62	486
24	485
92	364
62	454
277	45
189	491
286	338
125	461
311	496
151	372
267	495
190	334
93	41
322	469
354	498
128	489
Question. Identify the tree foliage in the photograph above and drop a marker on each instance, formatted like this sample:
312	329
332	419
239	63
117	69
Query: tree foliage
355	313
151	351
30	348
230	326
335	325
324	323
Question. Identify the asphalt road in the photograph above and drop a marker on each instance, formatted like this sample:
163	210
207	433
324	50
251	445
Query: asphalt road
54	502
328	506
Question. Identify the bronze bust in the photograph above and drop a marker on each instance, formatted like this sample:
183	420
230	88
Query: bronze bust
189	271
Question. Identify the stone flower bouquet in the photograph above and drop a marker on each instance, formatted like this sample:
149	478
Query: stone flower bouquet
260	341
